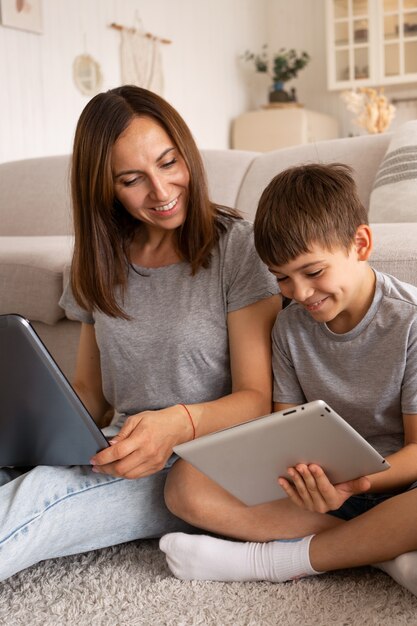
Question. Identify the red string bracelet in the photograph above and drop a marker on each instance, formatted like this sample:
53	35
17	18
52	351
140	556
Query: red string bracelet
191	419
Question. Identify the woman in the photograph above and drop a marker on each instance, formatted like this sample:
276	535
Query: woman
176	311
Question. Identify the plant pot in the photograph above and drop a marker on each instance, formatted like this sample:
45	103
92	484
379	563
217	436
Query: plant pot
278	94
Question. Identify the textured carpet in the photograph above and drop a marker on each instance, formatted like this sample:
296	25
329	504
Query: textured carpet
130	584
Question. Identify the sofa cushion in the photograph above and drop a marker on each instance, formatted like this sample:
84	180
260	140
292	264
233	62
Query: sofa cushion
31	275
35	197
362	153
394	194
395	250
226	170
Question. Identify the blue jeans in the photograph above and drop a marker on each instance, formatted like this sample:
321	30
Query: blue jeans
50	512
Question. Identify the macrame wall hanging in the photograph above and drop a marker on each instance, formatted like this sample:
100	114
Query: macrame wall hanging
140	58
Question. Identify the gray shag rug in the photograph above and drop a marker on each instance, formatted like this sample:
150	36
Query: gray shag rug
130	584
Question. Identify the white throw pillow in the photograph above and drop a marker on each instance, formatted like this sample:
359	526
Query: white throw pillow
394	194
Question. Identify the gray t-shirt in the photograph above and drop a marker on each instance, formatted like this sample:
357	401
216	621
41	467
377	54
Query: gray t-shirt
175	346
368	375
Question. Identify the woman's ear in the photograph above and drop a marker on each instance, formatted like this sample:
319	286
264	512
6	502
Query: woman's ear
363	242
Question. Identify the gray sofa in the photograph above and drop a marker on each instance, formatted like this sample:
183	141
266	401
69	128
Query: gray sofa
35	224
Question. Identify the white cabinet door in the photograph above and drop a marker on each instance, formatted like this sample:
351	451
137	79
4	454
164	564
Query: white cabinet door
398	44
371	42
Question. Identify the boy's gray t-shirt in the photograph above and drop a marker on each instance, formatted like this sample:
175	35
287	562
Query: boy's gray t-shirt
368	375
175	346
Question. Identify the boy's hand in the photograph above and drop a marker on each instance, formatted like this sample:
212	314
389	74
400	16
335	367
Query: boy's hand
312	490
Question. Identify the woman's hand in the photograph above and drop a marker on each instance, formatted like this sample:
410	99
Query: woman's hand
144	443
311	489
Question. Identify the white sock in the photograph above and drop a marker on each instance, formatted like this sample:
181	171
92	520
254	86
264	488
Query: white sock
403	569
200	557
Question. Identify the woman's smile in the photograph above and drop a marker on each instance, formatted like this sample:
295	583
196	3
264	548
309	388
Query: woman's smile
167	208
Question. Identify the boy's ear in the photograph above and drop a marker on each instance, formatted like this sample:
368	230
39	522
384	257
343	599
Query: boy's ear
363	242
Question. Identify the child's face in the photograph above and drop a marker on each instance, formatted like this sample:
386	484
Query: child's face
336	287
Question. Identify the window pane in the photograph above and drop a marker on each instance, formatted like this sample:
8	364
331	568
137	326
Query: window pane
392	60
360	31
342	65
390	5
341	34
341	8
361	62
410	25
360	7
410	4
410	57
391	27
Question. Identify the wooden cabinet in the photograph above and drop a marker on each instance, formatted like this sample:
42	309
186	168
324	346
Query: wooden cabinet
279	127
371	42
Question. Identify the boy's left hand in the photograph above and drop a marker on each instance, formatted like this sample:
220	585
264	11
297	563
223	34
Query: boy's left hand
312	490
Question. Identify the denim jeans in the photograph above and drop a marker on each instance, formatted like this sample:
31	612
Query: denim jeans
363	502
50	512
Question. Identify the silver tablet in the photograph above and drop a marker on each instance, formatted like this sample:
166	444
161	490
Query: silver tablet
248	458
42	420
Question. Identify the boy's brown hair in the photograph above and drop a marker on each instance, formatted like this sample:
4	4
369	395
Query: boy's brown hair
305	205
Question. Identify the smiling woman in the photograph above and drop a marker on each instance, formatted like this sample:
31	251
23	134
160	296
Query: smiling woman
176	310
109	141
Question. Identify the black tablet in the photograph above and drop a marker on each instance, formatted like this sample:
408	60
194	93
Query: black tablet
42	420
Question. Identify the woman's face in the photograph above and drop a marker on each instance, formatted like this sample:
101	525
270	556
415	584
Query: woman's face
150	176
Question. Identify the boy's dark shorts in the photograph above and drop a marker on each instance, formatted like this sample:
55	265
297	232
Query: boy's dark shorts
361	503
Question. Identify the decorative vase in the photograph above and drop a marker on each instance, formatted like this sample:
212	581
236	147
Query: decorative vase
278	94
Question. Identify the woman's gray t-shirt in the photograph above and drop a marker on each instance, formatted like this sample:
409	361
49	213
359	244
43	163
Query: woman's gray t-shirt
175	346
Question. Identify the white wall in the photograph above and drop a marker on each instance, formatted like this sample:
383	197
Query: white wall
300	24
204	79
39	103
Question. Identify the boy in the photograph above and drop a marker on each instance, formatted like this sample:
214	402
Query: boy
349	337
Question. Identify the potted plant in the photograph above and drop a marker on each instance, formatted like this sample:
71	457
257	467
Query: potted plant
281	67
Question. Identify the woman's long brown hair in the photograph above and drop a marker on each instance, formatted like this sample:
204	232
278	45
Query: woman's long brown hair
103	228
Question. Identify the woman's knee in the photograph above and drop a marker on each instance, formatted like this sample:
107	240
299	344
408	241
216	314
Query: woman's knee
183	495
